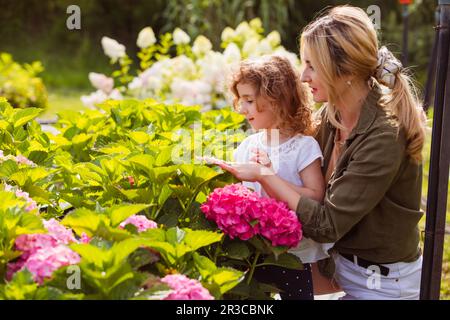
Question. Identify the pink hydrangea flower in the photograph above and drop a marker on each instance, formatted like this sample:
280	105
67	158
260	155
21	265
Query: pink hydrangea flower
242	213
43	253
185	288
59	232
20	159
31	204
234	208
140	222
280	224
44	262
84	238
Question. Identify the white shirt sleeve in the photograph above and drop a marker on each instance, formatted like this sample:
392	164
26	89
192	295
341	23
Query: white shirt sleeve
309	152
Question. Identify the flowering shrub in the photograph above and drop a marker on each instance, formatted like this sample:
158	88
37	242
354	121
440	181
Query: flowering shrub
104	168
242	213
195	75
185	288
20	84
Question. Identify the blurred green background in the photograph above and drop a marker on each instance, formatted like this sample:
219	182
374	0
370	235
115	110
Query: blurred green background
36	29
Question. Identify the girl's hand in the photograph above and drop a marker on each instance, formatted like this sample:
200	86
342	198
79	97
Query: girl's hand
250	171
261	157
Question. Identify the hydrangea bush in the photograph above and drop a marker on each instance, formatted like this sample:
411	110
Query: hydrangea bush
104	194
20	83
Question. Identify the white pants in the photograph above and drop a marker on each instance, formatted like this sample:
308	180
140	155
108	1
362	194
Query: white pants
402	282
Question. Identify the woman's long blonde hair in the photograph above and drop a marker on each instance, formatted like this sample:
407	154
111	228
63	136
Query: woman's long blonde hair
344	42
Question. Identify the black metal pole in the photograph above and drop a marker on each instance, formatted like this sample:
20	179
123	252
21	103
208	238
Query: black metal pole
431	74
439	162
405	34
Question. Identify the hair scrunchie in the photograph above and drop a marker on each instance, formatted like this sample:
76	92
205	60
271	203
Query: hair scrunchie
388	66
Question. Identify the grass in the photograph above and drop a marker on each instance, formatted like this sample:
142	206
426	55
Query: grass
60	100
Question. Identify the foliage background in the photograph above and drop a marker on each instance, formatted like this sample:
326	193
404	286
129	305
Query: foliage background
36	29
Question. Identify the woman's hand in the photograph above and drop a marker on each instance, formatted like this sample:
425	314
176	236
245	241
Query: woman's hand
250	171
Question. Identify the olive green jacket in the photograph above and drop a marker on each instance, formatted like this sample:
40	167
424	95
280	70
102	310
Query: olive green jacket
372	203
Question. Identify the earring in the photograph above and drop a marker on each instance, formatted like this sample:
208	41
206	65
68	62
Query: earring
349	83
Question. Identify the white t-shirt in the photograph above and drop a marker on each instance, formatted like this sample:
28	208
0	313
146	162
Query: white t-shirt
288	160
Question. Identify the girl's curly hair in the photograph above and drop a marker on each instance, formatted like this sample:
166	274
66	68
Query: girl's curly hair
275	79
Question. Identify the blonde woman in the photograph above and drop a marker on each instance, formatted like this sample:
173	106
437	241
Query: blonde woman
371	134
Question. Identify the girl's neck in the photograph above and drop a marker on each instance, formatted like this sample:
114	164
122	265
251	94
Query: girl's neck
275	136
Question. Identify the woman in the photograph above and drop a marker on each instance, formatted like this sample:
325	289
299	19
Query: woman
371	133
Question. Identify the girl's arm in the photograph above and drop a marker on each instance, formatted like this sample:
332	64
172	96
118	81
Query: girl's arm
313	182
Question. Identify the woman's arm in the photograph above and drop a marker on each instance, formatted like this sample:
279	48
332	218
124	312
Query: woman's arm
355	193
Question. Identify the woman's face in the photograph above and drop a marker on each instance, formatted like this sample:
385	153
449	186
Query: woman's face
310	76
264	119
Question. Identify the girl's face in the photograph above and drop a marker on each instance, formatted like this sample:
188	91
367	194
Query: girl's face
264	119
310	76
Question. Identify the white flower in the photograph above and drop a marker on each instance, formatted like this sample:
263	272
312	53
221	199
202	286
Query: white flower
101	82
256	23
115	95
99	96
274	38
243	30
292	57
191	92
212	69
227	34
180	37
94	98
201	45
264	47
135	84
113	49
250	47
232	53
183	66
146	38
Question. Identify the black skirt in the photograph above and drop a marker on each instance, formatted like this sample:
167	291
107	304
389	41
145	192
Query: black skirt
295	284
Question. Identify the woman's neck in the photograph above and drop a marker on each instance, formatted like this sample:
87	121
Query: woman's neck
350	106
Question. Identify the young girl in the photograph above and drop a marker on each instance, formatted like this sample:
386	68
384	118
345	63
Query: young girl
271	96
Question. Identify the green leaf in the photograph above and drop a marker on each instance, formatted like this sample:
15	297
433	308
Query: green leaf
139	137
82	220
237	250
38	156
175	235
227	278
196	239
204	265
286	260
120	213
8	168
22	116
